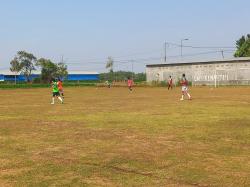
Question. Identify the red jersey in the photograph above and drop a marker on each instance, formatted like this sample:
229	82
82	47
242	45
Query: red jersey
184	82
130	82
170	81
60	85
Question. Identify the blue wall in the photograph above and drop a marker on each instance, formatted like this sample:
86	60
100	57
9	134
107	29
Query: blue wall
82	77
71	77
1	77
19	78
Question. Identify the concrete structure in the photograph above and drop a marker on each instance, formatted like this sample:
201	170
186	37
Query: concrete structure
72	76
221	72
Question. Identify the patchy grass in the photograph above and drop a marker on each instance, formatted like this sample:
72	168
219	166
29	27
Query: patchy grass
110	137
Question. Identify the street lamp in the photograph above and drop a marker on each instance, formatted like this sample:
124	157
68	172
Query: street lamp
182	44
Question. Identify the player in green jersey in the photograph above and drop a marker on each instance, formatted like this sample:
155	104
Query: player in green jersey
55	92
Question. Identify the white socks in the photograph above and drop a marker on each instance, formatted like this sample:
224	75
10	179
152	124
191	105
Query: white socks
182	97
53	101
60	99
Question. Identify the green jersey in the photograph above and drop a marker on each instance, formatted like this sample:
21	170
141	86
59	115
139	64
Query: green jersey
55	87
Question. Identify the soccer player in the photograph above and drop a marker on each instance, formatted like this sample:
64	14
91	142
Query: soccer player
170	83
184	87
60	87
55	92
108	83
130	84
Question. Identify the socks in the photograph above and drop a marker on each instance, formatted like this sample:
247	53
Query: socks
53	101
60	99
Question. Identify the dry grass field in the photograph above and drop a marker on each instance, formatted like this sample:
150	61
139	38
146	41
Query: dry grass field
110	137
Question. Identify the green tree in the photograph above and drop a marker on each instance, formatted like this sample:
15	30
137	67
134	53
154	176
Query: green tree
110	67
243	47
27	63
110	64
62	70
51	70
123	75
15	67
48	69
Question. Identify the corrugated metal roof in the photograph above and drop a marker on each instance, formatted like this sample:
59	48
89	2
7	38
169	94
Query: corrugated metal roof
232	60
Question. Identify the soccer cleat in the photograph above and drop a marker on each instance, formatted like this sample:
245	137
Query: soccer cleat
52	103
181	99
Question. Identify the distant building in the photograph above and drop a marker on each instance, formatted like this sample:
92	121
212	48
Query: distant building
72	76
220	72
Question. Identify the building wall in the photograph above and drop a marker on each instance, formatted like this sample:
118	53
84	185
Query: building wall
71	77
19	78
225	73
81	77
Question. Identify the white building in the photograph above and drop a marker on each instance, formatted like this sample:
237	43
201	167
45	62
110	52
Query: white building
220	72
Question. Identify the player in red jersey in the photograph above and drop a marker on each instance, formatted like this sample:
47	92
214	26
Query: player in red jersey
130	84
60	87
184	87
170	83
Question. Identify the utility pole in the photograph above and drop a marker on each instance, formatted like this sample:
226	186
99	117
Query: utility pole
62	59
132	66
165	52
222	54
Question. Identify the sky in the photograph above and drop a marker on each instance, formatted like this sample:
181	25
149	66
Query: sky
85	32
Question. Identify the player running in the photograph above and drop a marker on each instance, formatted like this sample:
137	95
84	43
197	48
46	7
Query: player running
130	84
55	92
170	83
60	87
107	82
184	87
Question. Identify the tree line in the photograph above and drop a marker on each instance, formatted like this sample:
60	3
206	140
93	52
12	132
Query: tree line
25	63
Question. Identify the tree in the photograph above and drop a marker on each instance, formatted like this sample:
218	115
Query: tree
15	67
62	70
243	47
27	63
50	70
109	66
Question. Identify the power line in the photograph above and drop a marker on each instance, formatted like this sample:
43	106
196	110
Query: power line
202	47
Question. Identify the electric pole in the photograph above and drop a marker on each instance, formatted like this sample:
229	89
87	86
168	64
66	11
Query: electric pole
165	52
62	60
132	68
222	54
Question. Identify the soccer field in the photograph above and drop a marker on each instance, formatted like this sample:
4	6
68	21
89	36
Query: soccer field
110	137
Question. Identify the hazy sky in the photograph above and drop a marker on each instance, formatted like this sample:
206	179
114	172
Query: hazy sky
86	32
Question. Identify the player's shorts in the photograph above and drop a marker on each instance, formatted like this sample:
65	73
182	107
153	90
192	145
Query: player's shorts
56	94
61	90
184	89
